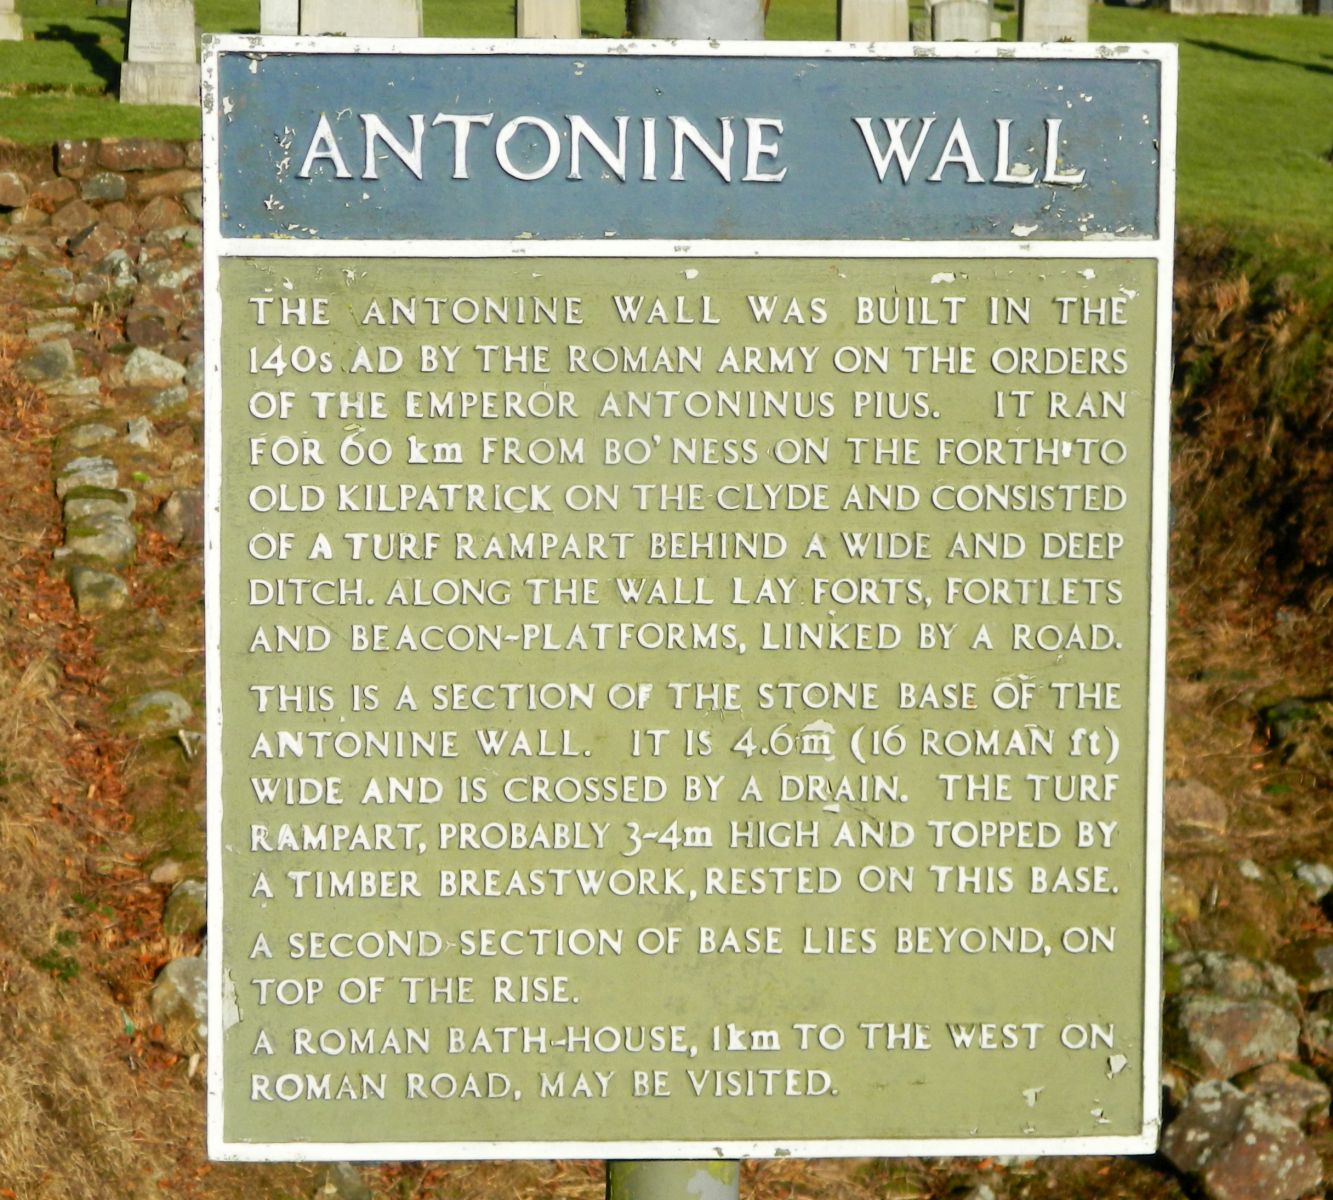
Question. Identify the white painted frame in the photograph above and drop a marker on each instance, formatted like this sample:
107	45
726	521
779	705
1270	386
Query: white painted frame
1158	250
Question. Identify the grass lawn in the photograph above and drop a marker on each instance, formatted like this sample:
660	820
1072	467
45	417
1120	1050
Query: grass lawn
1256	97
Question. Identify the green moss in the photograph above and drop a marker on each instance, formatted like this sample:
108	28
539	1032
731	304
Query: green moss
88	492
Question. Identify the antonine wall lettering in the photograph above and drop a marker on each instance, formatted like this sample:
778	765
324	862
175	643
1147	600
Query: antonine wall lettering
696	620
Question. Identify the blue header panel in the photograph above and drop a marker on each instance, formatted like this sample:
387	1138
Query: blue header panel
447	143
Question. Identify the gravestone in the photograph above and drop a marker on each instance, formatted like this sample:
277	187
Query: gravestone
354	18
960	20
1053	20
687	658
1242	8
281	18
160	65
874	21
548	18
11	24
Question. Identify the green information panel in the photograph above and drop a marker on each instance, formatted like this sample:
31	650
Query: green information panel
685	699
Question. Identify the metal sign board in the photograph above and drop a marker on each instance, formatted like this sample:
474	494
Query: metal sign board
686	565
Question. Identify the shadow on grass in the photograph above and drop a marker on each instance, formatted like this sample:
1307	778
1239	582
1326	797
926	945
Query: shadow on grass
104	66
1258	56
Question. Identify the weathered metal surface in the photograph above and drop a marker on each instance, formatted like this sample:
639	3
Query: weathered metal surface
689	697
1107	110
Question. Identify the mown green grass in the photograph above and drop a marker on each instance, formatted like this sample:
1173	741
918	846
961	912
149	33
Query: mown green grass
1255	115
1256	96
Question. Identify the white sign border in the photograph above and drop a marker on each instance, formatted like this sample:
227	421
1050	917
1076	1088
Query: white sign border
1159	249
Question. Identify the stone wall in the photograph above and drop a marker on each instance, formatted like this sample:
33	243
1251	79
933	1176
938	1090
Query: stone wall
139	197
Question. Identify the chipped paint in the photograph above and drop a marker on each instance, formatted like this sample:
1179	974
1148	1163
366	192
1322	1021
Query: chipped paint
231	1009
813	145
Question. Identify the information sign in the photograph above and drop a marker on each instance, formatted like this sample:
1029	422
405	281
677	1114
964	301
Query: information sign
686	565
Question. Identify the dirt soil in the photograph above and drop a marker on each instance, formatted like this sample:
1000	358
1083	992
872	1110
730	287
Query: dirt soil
97	1101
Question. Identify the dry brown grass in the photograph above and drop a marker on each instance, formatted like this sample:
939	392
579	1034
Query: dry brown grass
62	1122
95	1103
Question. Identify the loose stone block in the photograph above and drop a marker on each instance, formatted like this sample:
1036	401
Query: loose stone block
1193	809
146	368
104	185
170	183
48	362
107	537
1219	1038
387	19
98	591
161	67
179	999
159	711
75	215
52	193
13	191
960	21
186	912
1238	1148
1291	1090
28	215
86	436
96	241
181	518
90	501
161	212
139	154
74	158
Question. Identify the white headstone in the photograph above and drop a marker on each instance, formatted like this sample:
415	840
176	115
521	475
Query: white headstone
281	17
1237	8
161	66
874	21
549	18
11	25
960	20
1053	21
358	18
